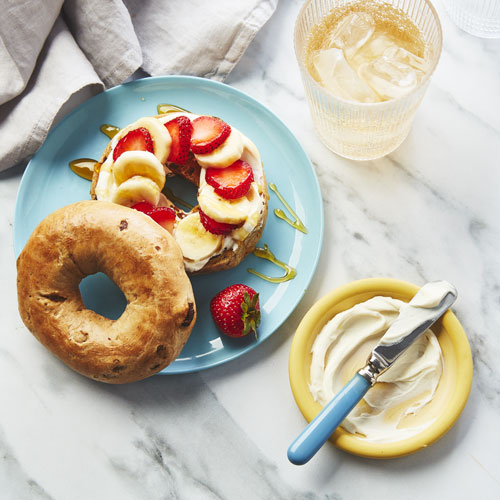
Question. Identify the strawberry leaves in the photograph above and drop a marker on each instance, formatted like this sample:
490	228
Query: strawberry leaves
250	314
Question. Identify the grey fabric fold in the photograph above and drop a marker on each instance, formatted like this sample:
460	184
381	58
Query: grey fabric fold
26	119
24	27
53	54
104	32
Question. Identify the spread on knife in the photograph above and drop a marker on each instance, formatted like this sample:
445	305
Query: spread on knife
390	410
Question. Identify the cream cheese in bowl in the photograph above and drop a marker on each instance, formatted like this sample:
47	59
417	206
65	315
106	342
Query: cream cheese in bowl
435	418
390	410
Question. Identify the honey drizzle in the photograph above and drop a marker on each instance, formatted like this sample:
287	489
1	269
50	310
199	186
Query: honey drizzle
265	253
80	167
109	130
297	223
169	108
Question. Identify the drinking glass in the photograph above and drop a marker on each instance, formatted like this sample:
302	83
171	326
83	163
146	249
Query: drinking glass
477	17
364	131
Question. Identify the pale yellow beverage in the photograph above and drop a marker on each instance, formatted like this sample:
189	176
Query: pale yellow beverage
367	52
365	66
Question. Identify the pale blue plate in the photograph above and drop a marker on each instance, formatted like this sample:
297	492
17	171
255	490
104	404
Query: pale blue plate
48	184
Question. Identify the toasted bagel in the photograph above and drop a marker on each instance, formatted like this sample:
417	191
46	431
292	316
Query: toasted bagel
140	257
202	257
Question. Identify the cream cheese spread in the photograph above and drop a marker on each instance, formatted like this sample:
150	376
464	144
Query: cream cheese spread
389	410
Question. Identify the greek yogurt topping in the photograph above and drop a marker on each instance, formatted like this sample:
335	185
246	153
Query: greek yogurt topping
389	410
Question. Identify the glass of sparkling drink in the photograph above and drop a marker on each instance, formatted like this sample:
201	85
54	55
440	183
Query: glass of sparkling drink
366	65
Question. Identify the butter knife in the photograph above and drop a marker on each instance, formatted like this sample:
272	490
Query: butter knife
424	309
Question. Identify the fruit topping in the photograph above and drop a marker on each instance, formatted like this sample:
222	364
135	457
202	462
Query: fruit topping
196	243
214	227
235	211
159	135
208	134
236	310
140	163
231	182
226	154
180	130
136	140
134	189
143	206
165	216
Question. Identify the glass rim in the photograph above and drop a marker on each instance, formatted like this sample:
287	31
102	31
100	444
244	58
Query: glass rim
396	100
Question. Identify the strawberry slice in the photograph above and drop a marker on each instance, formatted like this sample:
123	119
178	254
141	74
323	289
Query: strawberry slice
208	134
143	206
214	227
136	140
165	216
230	182
180	130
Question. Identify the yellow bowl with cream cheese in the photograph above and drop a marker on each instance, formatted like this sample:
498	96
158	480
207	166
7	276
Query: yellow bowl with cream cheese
453	389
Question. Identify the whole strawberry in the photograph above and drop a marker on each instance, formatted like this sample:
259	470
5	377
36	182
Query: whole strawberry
236	310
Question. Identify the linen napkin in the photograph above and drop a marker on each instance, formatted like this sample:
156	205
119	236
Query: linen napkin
57	53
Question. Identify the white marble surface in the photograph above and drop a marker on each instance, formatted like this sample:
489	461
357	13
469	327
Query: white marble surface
430	210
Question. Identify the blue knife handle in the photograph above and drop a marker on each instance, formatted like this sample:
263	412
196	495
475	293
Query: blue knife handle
312	438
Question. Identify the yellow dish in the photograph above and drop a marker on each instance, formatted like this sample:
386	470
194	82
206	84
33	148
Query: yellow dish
451	395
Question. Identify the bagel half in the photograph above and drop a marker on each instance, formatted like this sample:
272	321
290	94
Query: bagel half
233	246
140	257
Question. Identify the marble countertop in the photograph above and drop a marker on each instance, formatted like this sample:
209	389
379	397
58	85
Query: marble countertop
430	210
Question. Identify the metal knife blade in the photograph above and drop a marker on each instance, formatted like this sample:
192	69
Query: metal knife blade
425	308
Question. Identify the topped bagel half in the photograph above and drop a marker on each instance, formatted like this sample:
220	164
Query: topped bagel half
220	160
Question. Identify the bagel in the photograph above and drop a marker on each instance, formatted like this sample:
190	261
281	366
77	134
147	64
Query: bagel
140	257
127	180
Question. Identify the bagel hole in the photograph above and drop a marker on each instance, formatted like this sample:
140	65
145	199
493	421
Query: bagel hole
183	190
101	295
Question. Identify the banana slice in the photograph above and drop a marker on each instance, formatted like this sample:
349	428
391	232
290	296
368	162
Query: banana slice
226	154
144	163
159	134
228	211
105	181
195	241
250	224
251	153
136	189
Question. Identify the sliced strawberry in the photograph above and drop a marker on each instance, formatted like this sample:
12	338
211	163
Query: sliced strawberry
136	140
214	227
180	130
208	134
165	216
143	206
230	182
